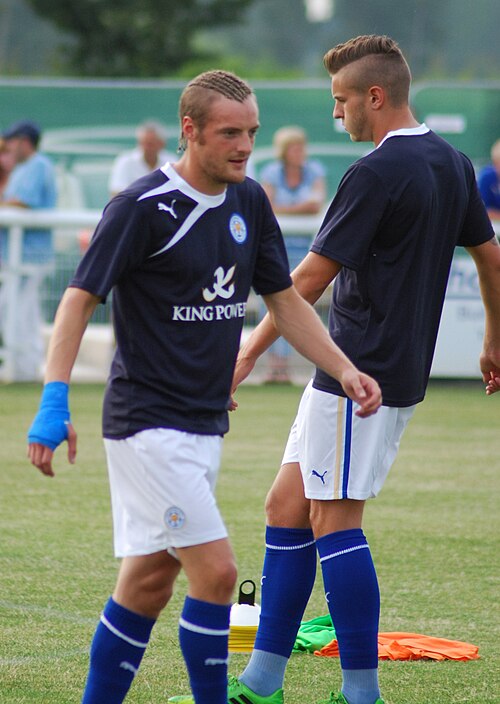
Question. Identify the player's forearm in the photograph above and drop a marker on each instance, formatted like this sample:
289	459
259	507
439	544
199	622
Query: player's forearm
73	314
494	213
309	284
487	260
260	340
490	292
299	323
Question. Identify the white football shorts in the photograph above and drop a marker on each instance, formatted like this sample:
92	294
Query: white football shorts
162	484
343	456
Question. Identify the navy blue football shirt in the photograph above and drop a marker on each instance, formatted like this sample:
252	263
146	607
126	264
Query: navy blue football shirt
393	224
181	265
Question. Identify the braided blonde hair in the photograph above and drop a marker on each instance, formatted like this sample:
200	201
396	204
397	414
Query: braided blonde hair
202	90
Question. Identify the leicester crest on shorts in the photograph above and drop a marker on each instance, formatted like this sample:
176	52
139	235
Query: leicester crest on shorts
174	517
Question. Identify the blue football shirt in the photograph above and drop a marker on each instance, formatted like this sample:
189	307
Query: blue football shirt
181	265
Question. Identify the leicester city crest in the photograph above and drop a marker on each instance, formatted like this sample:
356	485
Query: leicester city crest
238	228
174	517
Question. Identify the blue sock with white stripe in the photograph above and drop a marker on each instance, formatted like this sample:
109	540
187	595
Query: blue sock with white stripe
287	581
119	643
203	636
354	602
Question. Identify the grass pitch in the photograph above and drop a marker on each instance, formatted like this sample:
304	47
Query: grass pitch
433	533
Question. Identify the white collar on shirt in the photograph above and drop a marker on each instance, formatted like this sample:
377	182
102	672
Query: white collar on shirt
406	132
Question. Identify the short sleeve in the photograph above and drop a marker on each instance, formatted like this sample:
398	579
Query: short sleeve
272	271
477	227
120	244
352	219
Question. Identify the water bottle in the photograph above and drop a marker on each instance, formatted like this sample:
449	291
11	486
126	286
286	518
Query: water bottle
245	612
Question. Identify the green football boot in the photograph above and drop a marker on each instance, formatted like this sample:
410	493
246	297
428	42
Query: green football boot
237	693
340	699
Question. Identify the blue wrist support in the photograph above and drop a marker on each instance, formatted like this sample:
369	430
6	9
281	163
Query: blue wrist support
50	426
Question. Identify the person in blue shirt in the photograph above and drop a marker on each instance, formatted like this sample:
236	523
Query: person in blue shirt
296	185
180	248
489	184
31	184
6	166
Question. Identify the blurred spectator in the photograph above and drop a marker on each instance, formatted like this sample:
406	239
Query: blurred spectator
31	184
295	185
6	166
149	155
489	183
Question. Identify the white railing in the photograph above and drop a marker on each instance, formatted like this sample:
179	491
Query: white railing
67	224
13	269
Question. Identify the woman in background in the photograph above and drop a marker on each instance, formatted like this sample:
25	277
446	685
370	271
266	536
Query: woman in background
295	185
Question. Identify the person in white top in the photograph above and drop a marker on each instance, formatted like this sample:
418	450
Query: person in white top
148	155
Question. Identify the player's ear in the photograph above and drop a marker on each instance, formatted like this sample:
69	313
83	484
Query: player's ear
189	130
377	97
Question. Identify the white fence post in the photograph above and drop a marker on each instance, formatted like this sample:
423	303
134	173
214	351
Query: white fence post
9	295
14	221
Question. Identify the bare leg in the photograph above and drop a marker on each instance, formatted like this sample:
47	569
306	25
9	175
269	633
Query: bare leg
145	583
286	505
211	571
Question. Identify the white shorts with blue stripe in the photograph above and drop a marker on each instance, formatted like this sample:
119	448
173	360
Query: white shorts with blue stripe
342	456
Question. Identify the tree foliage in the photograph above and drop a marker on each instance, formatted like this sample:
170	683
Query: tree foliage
150	38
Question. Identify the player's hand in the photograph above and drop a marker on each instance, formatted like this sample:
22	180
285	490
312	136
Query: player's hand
489	362
242	369
492	382
362	389
41	455
51	426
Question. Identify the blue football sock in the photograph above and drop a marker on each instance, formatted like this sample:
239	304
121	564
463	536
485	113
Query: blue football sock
116	653
287	581
354	602
203	636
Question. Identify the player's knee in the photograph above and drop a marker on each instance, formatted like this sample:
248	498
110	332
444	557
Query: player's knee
145	596
156	590
221	580
273	509
286	511
158	599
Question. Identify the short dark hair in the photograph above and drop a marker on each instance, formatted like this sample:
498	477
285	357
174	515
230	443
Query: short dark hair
25	129
382	64
202	90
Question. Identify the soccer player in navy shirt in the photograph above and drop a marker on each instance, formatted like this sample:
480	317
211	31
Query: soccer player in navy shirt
387	240
180	248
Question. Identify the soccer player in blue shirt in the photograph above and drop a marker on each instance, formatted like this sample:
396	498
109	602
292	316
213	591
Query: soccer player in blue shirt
388	240
180	248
